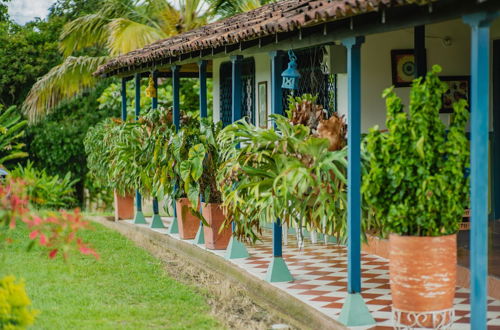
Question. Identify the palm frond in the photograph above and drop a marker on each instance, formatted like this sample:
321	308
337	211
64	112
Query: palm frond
83	32
91	30
126	35
61	82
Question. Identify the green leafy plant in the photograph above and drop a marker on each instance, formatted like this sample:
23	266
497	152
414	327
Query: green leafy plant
170	158
11	131
199	170
416	182
46	191
281	173
15	310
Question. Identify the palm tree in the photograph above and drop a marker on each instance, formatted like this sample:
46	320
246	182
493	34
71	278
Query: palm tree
228	8
117	27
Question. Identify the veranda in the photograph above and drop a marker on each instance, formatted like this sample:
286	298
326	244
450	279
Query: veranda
353	39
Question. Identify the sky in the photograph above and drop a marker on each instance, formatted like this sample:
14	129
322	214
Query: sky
23	11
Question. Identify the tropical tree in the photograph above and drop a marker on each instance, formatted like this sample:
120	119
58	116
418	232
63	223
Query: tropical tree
228	8
116	27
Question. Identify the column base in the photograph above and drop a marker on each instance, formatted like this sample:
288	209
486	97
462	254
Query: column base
139	218
174	227
200	236
156	222
236	249
354	312
278	271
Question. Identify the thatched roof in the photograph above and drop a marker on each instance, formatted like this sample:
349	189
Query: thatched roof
268	20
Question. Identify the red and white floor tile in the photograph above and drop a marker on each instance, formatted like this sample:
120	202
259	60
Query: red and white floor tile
320	280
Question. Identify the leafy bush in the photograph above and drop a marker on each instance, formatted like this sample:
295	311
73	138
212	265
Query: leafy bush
15	311
46	191
416	182
170	162
11	131
283	173
199	170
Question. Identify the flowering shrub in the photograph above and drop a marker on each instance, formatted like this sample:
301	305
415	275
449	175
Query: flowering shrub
15	311
57	231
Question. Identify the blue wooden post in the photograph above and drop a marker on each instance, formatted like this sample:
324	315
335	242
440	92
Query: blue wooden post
419	48
236	249
354	312
139	216
202	66
156	221
124	99
278	270
480	97
496	132
176	101
176	115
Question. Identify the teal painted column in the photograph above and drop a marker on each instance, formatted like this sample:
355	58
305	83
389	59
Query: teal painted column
496	132
124	99
176	116
278	270
419	49
202	66
354	312
139	216
479	128
156	221
236	249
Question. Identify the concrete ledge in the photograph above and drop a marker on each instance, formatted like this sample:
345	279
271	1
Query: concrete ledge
291	309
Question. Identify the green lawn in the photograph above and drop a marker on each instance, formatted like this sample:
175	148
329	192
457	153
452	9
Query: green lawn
126	289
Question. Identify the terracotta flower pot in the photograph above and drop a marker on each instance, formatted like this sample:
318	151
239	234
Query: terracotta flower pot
423	274
124	206
188	222
215	217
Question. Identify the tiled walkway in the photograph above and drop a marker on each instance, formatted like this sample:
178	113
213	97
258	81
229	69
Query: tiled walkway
320	280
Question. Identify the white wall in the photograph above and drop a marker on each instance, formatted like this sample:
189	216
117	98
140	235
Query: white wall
262	73
376	66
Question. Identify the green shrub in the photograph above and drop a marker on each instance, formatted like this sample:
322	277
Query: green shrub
15	311
416	182
46	191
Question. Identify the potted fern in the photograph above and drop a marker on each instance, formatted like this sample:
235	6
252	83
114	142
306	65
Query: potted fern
288	172
173	178
100	143
199	173
416	186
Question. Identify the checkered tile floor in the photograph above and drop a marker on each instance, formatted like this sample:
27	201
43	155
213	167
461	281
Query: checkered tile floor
320	280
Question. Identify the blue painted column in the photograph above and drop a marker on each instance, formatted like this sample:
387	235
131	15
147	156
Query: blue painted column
419	49
139	216
278	270
479	127
156	221
354	312
202	66
176	101
124	99
236	249
176	116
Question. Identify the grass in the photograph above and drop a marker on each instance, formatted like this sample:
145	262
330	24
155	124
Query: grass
126	289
